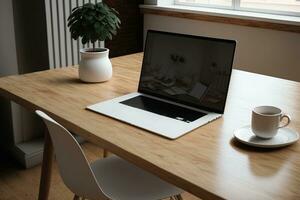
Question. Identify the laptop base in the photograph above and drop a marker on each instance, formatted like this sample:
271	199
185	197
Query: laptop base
165	126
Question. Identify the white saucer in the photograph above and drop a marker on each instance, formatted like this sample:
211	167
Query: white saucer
284	137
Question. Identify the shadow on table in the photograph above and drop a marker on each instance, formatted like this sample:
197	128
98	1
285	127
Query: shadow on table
263	162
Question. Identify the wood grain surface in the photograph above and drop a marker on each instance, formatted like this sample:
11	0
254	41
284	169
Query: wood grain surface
206	162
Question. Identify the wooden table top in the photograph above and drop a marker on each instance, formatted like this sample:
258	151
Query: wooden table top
205	162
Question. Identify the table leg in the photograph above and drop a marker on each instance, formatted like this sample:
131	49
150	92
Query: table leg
46	171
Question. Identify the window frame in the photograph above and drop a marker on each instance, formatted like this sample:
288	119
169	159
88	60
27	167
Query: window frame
236	5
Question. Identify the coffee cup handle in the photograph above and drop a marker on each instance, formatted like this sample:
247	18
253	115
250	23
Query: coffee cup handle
288	120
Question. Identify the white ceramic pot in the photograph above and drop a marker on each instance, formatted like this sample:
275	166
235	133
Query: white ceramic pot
95	66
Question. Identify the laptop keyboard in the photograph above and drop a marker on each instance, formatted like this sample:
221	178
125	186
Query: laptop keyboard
163	108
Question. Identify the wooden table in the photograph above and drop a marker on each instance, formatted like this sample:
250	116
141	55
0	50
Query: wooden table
205	162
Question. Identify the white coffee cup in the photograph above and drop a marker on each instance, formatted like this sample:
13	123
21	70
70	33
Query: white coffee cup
266	121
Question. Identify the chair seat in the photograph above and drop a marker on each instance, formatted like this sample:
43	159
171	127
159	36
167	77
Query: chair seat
121	180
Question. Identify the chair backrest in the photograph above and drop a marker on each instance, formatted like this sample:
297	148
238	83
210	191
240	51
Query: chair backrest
73	165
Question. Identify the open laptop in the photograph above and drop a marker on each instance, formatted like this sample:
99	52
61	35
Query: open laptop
183	85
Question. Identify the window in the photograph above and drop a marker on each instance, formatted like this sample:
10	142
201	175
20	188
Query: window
286	7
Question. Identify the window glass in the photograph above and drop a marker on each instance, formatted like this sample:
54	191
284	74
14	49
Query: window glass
286	7
272	5
206	2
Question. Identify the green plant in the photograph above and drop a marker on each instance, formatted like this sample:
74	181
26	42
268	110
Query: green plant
93	22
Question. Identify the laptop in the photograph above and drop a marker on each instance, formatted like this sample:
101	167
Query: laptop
183	85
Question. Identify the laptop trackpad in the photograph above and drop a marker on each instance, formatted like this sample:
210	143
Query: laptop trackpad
163	108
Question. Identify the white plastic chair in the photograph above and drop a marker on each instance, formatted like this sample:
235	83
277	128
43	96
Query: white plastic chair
107	178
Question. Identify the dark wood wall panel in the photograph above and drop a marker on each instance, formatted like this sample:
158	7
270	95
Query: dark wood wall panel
130	37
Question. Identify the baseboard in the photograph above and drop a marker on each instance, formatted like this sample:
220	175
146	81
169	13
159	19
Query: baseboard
30	153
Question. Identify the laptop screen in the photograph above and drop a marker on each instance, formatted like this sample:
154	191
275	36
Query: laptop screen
190	70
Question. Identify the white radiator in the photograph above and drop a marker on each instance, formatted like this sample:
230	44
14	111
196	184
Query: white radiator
62	49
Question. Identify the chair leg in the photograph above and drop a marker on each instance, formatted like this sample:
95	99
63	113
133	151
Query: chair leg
76	197
105	153
178	197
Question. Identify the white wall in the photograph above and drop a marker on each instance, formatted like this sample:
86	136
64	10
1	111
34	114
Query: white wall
264	51
8	56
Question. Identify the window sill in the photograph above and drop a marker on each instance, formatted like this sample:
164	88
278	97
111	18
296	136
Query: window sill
243	18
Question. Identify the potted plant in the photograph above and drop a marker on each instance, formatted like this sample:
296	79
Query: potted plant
91	23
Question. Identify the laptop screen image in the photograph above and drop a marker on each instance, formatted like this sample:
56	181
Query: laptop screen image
190	70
